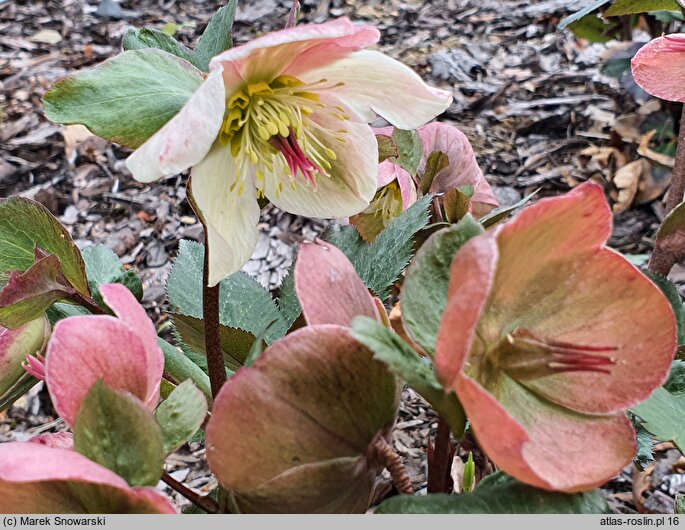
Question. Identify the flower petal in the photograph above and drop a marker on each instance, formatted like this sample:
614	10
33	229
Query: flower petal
297	49
329	288
471	278
36	478
369	77
230	216
545	445
353	176
127	308
84	349
186	138
659	67
18	345
63	440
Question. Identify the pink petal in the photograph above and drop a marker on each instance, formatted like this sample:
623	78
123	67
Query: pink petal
387	172
659	67
186	138
36	478
407	188
57	440
84	349
329	288
483	200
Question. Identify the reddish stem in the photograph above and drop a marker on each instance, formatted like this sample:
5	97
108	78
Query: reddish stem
210	314
440	455
206	503
388	457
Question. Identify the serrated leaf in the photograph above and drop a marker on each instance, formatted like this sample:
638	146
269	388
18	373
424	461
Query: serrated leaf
140	39
127	98
180	415
244	303
287	300
380	263
410	148
181	367
582	12
103	266
217	37
631	7
499	494
115	430
424	294
25	225
673	296
663	415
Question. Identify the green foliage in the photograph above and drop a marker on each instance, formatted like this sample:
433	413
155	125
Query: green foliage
632	7
582	12
115	430
645	446
673	296
181	414
287	300
244	304
141	39
499	494
25	225
103	267
410	149
437	161
424	295
125	99
595	29
180	367
499	214
386	148
380	263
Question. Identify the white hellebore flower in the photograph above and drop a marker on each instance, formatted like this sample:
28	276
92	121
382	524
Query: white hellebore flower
286	116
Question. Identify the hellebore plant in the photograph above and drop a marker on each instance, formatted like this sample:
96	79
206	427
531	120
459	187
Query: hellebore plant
547	340
15	345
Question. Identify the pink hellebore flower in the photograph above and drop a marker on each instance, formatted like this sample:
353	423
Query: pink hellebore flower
17	346
286	116
122	351
659	67
548	337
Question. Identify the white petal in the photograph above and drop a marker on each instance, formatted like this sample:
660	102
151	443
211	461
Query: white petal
377	84
230	216
186	138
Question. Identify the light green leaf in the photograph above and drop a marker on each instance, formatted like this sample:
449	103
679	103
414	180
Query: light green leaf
103	267
500	494
673	296
218	36
424	295
140	39
582	12
180	415
125	99
663	414
595	29
410	148
380	263
181	367
631	7
115	430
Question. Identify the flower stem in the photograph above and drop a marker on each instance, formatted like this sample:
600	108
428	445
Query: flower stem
440	460
210	314
394	465
292	17
202	501
662	260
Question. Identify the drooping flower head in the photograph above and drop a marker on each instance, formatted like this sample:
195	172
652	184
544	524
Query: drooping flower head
659	66
286	116
548	337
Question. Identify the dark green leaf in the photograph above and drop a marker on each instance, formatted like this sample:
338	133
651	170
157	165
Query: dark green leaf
501	494
424	295
616	67
499	214
673	296
380	263
181	414
125	99
140	39
631	7
218	36
21	387
437	161
456	203
645	447
103	267
410	148
675	384
115	430
595	29
287	300
582	12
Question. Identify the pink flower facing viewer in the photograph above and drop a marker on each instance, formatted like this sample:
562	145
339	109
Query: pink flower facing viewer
397	188
548	337
286	116
122	351
659	65
295	432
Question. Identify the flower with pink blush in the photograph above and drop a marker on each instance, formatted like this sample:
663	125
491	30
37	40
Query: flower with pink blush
19	345
659	67
286	117
547	339
121	350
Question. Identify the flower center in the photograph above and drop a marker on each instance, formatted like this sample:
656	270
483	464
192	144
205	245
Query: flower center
387	203
271	127
525	356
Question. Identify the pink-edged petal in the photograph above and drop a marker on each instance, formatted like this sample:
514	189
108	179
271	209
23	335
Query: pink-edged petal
483	200
185	139
353	176
127	308
388	172
545	445
369	75
35	367
36	478
471	279
659	67
58	440
18	345
84	349
328	287
296	49
231	216
407	188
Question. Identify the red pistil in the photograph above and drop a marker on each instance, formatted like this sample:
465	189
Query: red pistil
296	157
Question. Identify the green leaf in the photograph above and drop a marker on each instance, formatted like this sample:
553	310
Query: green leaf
595	29
380	263
287	300
672	231
181	367
673	296
437	161
424	294
456	203
499	494
499	214
244	303
115	430
679	503
140	39
235	343
217	37
410	148
663	415
615	67
180	415
386	148
631	7
21	387
125	99
103	267
645	447
25	225
389	348
582	12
